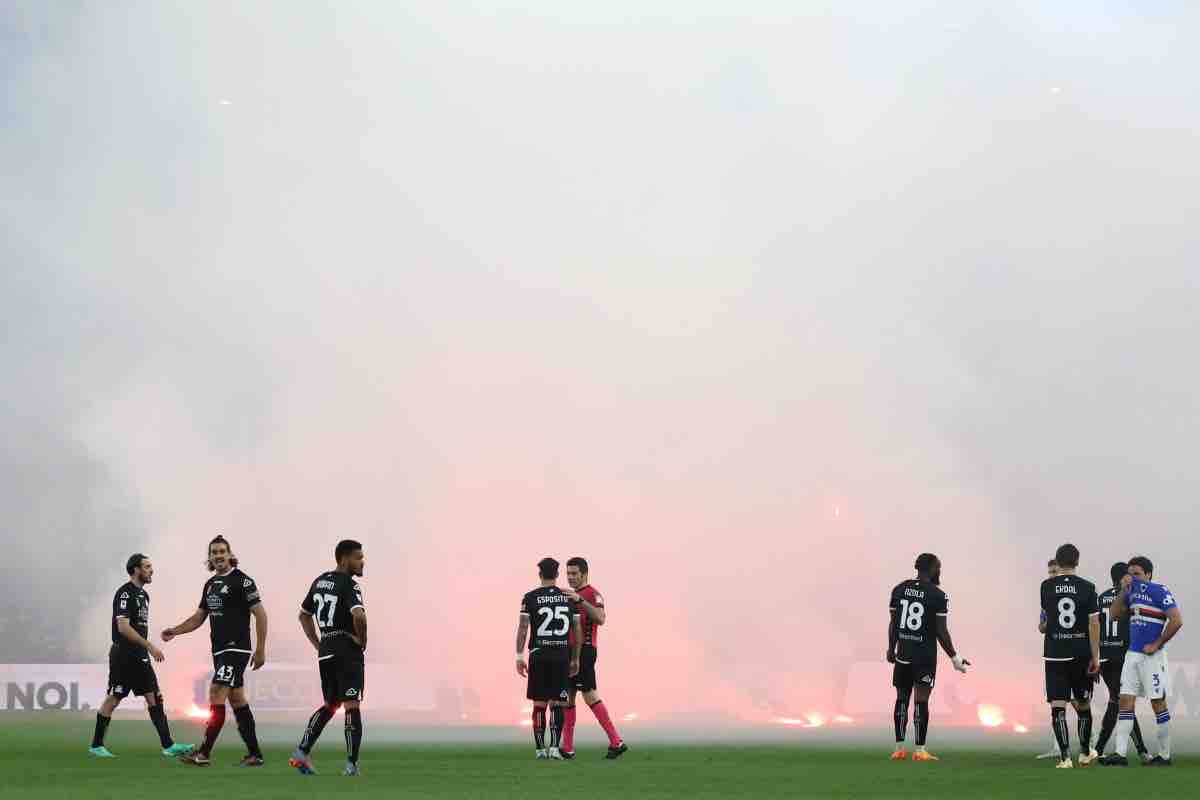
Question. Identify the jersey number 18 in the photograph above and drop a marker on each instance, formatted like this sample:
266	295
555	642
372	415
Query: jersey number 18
912	615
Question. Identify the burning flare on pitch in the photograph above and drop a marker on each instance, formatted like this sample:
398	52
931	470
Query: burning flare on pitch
990	716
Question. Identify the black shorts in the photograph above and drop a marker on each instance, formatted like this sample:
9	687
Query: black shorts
549	674
1068	680
585	681
342	677
906	676
129	673
1110	671
229	668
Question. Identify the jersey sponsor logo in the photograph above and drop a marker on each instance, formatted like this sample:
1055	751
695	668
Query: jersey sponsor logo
246	584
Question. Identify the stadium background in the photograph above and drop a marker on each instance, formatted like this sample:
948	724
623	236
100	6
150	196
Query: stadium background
746	308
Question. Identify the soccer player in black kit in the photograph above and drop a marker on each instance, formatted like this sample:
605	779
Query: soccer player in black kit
229	598
1071	651
334	620
129	668
554	652
1114	642
918	622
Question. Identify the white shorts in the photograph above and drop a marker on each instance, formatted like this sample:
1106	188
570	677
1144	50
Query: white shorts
1145	676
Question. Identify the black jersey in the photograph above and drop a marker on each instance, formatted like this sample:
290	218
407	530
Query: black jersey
1114	633
1068	602
330	599
551	615
133	603
228	599
915	606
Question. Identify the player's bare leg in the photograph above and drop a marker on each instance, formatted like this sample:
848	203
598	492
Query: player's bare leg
539	729
900	721
921	723
246	727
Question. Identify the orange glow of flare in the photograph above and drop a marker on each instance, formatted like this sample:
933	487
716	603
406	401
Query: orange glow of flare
630	717
815	719
842	719
196	712
1019	728
990	716
526	723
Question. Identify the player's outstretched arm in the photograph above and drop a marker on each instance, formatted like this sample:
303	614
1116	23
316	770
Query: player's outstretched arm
943	637
126	630
522	630
260	634
310	629
359	617
187	626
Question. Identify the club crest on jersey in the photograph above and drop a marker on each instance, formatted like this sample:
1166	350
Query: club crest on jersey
224	590
352	693
927	679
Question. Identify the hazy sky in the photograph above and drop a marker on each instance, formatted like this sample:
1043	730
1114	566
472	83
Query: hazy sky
749	303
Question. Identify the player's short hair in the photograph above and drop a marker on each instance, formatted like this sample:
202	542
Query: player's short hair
548	568
1051	563
1067	556
219	539
1141	561
1118	571
134	562
926	562
578	561
345	547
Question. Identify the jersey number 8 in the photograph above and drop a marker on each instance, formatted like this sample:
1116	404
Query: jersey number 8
1066	613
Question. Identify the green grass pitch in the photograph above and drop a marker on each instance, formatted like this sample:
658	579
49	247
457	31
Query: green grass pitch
45	757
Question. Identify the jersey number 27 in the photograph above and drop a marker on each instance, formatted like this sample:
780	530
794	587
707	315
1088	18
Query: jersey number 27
326	606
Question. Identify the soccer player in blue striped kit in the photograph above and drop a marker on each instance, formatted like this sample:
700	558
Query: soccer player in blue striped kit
1154	619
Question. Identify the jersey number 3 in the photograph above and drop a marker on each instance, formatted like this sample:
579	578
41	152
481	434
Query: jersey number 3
326	605
549	615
